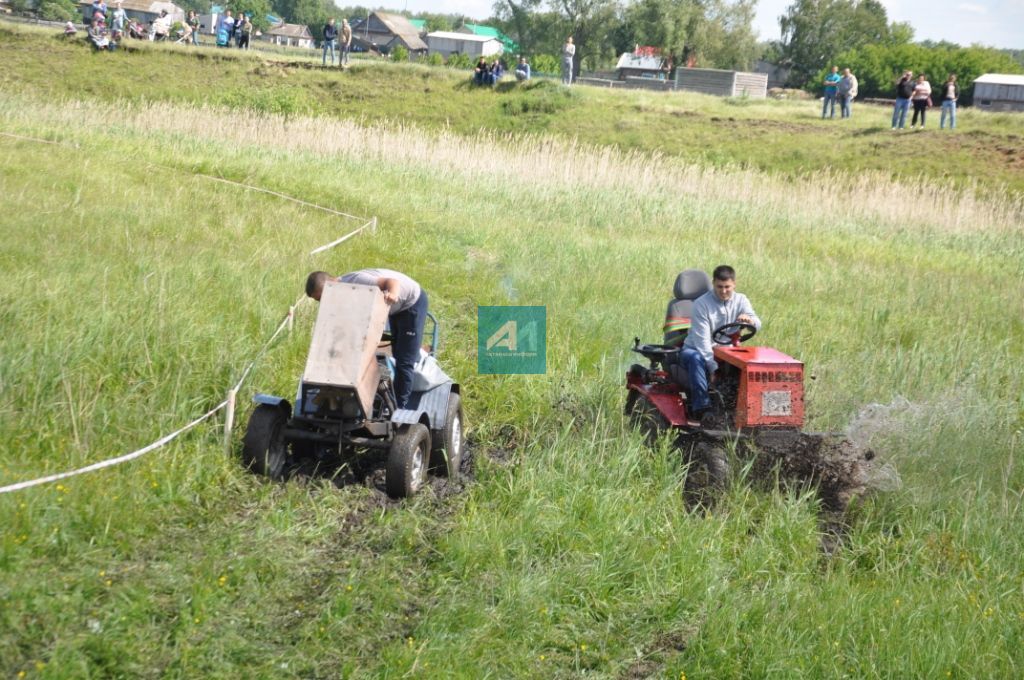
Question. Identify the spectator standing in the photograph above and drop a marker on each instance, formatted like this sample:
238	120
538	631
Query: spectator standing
950	94
847	93
346	41
330	40
162	26
831	83
904	90
922	98
193	23
245	32
99	11
225	30
568	55
522	69
118	18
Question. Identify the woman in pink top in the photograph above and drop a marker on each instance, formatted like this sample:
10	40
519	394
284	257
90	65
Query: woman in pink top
921	99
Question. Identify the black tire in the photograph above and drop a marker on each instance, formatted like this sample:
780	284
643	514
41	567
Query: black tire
708	475
446	456
408	459
264	450
644	417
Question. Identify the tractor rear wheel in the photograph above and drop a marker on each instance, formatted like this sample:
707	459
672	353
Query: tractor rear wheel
408	458
264	450
447	442
708	474
644	416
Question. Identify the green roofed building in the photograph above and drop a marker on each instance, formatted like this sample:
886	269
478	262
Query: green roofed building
510	45
419	24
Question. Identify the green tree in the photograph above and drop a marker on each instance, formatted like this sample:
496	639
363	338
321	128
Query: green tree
878	66
58	10
589	23
256	10
816	32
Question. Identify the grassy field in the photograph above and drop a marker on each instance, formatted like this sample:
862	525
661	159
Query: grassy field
135	291
783	137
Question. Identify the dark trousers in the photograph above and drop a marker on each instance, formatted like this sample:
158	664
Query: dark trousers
406	338
920	106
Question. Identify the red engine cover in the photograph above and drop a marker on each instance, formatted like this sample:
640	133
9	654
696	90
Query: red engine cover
771	386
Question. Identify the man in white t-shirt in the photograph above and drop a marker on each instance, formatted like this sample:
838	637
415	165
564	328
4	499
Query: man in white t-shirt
407	316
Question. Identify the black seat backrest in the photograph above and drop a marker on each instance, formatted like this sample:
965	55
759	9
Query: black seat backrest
690	285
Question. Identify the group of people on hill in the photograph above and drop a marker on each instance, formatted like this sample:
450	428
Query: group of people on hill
104	34
489	73
910	92
917	92
841	88
230	28
337	40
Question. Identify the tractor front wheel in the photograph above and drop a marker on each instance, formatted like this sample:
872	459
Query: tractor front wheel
408	458
264	450
644	416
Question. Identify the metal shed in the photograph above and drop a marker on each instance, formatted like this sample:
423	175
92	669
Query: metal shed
722	83
446	43
999	92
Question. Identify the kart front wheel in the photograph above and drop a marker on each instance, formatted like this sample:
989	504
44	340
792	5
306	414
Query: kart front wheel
264	450
407	461
447	443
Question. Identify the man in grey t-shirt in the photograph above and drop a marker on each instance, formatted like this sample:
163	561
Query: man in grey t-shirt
719	306
407	316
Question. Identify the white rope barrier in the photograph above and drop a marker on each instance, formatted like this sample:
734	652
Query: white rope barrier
37	139
229	403
113	461
373	227
278	194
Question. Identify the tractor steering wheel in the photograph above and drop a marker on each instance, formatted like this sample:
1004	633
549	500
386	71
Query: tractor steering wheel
733	333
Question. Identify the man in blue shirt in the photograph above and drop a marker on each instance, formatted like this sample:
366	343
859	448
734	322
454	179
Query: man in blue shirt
831	88
522	69
719	306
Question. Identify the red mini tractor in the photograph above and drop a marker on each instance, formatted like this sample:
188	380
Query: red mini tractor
757	398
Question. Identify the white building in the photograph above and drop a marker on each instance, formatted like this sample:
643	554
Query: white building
447	43
999	92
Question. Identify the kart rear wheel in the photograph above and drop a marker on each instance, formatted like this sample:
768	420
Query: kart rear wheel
264	450
447	443
645	417
408	458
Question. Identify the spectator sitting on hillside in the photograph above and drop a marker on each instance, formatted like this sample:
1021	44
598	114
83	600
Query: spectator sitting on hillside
98	35
497	71
482	72
69	29
522	69
136	30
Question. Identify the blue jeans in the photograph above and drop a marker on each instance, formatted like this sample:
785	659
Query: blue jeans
830	98
697	370
899	113
845	106
406	338
195	36
329	45
950	106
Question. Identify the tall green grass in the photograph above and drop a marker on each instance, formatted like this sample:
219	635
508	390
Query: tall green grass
135	292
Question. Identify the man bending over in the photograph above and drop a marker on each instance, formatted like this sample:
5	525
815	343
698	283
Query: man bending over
719	306
407	316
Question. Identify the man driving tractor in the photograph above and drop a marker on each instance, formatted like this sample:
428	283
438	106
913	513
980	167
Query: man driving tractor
718	307
407	316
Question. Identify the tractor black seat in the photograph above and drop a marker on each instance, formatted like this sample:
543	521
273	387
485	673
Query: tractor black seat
690	285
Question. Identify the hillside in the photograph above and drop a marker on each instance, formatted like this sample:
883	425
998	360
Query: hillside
136	290
788	137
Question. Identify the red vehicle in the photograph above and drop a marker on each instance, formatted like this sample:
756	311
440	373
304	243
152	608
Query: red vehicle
757	395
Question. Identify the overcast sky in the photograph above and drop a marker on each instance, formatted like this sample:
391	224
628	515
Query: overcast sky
998	23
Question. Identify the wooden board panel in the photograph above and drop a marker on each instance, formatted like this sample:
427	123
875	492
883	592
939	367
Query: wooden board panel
348	328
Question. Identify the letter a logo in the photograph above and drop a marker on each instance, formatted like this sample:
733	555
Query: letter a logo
504	337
